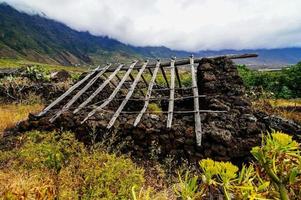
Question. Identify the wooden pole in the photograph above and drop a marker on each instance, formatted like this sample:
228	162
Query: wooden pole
151	73
197	117
164	76
198	60
172	94
144	80
148	94
112	82
111	97
68	92
128	96
79	93
178	77
99	89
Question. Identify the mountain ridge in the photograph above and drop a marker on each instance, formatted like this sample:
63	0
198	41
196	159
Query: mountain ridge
41	39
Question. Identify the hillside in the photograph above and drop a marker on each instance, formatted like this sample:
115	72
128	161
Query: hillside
37	38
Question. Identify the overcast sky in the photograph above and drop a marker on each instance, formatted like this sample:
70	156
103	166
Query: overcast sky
180	24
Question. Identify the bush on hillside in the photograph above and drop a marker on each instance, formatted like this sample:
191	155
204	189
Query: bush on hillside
283	84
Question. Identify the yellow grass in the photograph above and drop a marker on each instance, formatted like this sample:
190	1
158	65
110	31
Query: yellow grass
277	107
12	113
284	102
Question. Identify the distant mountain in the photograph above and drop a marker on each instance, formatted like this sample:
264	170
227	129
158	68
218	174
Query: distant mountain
38	38
268	58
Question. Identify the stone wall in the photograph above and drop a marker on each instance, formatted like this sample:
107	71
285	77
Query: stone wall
226	136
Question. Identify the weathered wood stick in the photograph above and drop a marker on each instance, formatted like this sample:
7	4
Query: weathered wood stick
164	76
178	77
148	94
128	96
165	112
68	92
172	94
99	89
79	93
197	117
111	97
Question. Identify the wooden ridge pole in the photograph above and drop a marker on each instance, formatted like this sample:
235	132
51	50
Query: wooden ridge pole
198	60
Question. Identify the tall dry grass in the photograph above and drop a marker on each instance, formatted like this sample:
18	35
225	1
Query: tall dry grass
10	114
279	107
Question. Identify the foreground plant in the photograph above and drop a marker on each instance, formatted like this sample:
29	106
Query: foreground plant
276	175
53	165
279	156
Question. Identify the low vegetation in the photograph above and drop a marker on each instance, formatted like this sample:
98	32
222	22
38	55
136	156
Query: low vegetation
280	84
10	114
7	63
56	166
289	109
274	175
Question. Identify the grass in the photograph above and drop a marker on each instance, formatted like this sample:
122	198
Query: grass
279	107
18	63
53	165
13	113
284	102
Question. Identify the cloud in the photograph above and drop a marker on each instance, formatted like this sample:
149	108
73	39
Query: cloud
180	24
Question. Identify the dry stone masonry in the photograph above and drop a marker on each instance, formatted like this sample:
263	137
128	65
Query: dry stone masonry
228	132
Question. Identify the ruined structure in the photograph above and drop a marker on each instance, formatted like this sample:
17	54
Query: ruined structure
207	117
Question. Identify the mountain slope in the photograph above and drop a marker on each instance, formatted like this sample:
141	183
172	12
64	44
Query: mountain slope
41	39
37	38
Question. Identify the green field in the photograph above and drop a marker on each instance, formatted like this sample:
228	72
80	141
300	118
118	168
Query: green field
6	63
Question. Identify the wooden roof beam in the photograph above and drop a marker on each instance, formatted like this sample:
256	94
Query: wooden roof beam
171	94
111	97
71	89
81	92
198	60
197	117
98	90
148	94
128	96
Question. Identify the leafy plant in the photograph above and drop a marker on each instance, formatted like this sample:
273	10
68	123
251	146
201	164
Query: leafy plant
277	175
37	73
188	187
279	156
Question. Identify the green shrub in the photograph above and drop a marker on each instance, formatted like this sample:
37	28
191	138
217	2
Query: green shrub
276	175
283	84
37	73
153	107
56	165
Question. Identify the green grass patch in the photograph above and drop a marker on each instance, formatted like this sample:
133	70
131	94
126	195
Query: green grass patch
19	63
52	165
